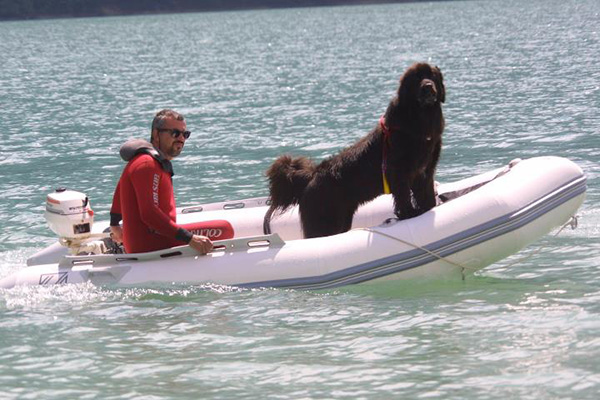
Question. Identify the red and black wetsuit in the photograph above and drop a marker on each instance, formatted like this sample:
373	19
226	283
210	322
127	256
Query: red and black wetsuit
145	201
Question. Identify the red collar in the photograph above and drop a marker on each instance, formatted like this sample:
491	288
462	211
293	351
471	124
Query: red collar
384	128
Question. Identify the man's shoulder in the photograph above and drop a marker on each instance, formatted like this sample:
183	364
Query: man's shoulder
143	160
140	154
132	147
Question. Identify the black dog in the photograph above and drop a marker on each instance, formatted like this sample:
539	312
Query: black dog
403	149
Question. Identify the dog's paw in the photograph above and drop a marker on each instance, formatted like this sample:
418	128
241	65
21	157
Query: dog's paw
390	221
408	214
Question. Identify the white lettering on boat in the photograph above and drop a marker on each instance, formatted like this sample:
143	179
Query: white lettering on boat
208	232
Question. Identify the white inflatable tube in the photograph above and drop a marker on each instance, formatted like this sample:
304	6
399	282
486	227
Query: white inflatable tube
457	237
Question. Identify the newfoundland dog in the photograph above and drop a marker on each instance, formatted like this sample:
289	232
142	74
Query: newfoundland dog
398	156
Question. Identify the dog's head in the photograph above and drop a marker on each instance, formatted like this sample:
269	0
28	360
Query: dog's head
422	85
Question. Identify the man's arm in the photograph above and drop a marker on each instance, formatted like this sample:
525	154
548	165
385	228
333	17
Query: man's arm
146	182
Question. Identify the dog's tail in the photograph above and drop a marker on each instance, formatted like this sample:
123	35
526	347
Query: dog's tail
288	177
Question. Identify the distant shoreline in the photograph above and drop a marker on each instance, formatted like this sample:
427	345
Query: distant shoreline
14	10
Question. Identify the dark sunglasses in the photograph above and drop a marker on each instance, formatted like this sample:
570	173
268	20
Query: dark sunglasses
176	132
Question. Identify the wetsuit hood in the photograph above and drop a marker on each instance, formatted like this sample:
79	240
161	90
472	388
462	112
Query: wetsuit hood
133	147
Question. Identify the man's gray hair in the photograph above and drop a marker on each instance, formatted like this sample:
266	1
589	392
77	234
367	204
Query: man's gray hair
159	119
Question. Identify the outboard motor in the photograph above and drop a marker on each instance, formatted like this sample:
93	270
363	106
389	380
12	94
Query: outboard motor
71	217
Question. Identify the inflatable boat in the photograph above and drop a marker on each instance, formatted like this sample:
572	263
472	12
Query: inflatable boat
478	221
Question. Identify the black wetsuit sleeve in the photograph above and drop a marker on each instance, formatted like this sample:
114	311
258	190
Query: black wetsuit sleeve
115	210
115	219
184	235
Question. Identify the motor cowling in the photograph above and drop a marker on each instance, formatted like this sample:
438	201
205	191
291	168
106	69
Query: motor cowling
69	215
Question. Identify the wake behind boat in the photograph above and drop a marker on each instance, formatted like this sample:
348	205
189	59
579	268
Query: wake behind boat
480	221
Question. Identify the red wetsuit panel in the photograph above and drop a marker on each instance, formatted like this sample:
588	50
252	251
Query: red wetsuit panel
144	196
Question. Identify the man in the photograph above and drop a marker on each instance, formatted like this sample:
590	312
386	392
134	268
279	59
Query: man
144	197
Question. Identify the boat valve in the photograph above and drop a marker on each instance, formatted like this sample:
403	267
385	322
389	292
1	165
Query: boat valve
574	222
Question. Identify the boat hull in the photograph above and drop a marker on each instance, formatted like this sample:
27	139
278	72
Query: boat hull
450	241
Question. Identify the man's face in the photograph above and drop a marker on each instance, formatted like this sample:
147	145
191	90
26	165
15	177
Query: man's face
170	146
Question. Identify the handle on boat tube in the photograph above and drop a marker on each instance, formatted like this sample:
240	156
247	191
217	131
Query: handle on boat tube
272	240
226	205
230	245
239	244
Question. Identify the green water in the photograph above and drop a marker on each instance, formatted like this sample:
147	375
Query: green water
522	79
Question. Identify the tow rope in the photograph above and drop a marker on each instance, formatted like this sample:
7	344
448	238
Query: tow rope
572	222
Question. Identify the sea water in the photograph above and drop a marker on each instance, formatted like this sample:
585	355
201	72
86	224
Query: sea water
522	79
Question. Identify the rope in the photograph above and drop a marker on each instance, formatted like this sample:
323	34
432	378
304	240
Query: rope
572	222
462	267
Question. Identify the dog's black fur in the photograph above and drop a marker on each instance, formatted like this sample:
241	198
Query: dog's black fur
329	193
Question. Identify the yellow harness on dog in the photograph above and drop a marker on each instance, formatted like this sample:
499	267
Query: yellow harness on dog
386	140
386	185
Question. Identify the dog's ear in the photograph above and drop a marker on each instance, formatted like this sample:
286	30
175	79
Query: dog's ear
407	86
440	79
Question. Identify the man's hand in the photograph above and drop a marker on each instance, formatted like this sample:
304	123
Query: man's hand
116	234
201	244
